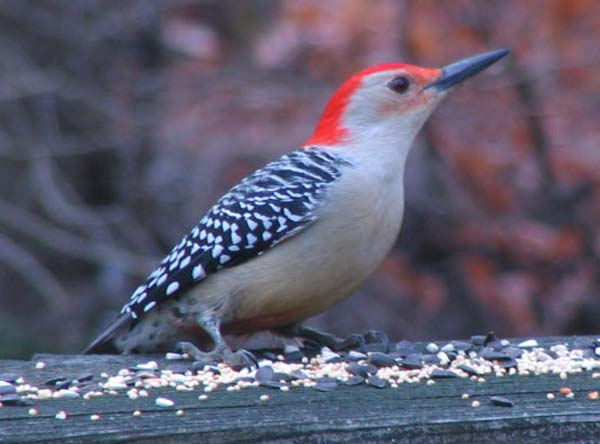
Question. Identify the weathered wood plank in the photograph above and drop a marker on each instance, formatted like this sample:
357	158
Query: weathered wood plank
413	413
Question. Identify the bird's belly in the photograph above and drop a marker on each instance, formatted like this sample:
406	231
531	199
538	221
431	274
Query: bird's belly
315	269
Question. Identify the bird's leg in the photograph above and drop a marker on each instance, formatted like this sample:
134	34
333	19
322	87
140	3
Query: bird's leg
322	338
221	351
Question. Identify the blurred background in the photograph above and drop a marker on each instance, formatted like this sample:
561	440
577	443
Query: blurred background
121	122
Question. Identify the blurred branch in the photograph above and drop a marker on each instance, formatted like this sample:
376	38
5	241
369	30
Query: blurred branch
59	240
435	164
526	93
34	273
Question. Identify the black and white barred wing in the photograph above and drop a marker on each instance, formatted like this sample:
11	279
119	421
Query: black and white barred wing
265	208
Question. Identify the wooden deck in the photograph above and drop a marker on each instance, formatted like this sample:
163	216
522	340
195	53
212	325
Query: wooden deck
412	413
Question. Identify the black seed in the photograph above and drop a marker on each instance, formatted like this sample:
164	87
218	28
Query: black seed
511	363
496	345
412	362
298	374
326	379
371	369
281	376
88	387
84	377
9	377
502	401
468	370
354	380
452	355
373	336
272	384
55	380
213	369
376	347
381	360
62	385
405	348
14	400
492	355
478	340
513	352
295	356
358	369
269	356
461	345
240	367
6	389
264	374
355	356
326	386
430	359
439	373
375	381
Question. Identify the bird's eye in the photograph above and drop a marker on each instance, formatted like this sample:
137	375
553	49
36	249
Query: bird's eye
399	84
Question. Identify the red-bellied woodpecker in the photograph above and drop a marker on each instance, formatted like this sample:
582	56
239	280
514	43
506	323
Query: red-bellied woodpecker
298	235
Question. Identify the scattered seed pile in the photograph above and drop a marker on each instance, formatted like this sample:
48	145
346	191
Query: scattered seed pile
376	363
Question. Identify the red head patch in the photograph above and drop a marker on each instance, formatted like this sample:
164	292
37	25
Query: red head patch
329	129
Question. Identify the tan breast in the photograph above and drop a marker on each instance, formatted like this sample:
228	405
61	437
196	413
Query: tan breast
324	263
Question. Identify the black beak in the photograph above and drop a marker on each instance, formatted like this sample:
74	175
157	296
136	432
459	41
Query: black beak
456	72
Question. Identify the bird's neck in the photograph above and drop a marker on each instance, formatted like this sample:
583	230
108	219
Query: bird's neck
384	147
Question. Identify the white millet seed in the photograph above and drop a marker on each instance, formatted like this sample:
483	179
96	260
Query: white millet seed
32	412
264	397
151	365
164	402
475	403
40	365
550	396
179	412
94	417
61	415
137	413
432	347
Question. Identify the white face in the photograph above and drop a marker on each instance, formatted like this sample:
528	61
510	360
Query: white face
392	104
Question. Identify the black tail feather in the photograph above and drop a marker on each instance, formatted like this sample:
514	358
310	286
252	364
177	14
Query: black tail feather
103	344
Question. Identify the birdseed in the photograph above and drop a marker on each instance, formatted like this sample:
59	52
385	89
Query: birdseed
164	402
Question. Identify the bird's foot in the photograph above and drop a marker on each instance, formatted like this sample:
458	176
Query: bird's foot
238	359
326	339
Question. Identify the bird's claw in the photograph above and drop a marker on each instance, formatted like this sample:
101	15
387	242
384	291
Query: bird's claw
237	360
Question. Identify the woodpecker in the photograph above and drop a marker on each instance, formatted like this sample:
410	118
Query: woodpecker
299	235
